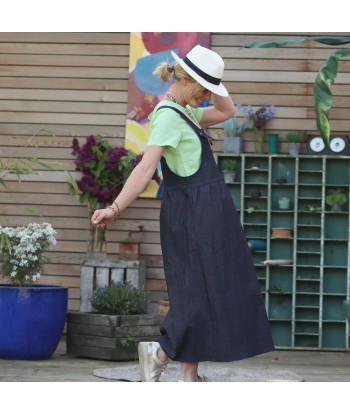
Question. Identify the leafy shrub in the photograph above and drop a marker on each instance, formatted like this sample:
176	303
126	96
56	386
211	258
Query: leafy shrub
229	165
294	137
119	298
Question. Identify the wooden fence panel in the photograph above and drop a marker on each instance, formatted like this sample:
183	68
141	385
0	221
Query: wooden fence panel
74	84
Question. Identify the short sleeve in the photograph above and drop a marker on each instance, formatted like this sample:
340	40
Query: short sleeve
163	129
197	113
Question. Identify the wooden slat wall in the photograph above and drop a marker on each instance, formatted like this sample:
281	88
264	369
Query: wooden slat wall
283	77
76	83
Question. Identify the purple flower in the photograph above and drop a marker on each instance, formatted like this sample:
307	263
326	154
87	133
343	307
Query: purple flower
85	183
104	169
105	195
136	160
259	118
95	191
75	147
114	156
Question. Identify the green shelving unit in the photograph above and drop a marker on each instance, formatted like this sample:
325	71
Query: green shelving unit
281	203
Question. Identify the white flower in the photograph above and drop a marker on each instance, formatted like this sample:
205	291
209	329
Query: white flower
36	277
26	253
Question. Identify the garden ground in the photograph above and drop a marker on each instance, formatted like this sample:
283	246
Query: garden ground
312	366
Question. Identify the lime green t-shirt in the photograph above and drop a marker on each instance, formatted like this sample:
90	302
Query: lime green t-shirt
182	146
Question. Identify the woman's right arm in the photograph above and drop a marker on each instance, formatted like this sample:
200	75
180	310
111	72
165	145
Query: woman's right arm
223	109
134	186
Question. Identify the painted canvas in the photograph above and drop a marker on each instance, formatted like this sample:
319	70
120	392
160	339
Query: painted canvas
147	51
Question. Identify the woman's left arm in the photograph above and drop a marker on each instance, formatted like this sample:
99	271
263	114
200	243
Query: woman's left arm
223	109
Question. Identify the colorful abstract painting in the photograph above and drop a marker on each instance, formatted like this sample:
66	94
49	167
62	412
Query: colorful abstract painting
147	51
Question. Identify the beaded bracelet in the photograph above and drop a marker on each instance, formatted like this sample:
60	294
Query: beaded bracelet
115	212
116	205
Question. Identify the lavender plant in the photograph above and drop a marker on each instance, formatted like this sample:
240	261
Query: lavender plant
119	298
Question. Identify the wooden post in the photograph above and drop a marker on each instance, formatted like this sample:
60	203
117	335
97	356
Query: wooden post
86	288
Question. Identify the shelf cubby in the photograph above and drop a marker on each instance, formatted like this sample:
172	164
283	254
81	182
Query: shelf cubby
309	341
304	296
281	333
333	335
334	280
280	306
333	307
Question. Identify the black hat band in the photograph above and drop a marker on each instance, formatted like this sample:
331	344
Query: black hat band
209	78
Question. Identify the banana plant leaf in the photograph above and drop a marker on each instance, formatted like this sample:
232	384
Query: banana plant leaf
332	41
323	97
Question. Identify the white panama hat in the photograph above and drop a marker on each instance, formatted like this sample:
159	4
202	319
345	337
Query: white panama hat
206	67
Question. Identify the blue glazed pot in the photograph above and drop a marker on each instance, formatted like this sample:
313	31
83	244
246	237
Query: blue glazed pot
32	320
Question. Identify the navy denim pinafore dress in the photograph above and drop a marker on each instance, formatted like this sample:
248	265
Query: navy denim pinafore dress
216	310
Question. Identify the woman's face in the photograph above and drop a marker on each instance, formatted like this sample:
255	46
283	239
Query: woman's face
194	94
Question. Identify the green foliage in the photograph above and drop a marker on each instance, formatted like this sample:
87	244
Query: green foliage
119	299
287	42
336	196
276	290
22	166
127	341
310	208
322	92
294	137
231	127
323	97
228	165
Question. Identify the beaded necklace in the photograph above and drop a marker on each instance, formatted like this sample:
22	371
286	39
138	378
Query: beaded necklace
187	110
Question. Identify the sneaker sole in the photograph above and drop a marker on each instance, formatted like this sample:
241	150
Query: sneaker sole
143	361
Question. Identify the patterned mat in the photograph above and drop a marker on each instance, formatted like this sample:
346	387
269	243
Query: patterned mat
130	373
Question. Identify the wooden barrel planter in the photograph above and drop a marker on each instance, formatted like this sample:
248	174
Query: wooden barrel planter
109	337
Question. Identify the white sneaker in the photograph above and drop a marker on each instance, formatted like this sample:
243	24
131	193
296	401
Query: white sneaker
151	367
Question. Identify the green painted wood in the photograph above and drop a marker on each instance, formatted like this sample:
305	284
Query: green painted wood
307	311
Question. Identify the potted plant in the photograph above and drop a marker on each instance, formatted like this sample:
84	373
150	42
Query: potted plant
283	203
233	140
115	326
257	120
336	198
294	139
104	170
228	167
32	316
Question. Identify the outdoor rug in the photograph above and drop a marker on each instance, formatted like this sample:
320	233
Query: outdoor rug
131	373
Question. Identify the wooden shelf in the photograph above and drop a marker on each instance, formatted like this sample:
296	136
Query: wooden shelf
307	312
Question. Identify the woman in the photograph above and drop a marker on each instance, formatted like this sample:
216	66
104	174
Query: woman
216	308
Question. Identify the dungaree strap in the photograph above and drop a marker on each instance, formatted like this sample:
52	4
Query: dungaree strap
199	131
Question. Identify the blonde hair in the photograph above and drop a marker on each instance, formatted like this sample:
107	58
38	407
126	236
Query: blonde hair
165	72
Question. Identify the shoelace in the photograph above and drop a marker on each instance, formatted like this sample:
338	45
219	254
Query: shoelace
203	379
163	368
